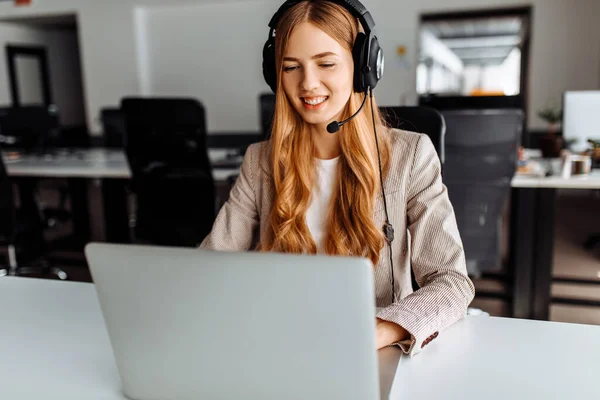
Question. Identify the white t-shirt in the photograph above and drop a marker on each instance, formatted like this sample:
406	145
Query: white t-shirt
325	183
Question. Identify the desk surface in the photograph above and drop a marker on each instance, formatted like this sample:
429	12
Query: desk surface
55	346
84	163
112	163
591	181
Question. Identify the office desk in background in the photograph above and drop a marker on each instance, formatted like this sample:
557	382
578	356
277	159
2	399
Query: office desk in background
80	165
56	347
532	242
83	163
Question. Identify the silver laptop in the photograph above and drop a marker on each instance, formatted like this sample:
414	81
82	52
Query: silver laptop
195	324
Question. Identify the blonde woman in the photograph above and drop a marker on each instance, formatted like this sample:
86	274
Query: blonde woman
310	191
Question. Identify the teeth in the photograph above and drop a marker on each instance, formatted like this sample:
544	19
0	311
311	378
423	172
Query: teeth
315	101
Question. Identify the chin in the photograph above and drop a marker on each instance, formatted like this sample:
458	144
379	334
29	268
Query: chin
316	118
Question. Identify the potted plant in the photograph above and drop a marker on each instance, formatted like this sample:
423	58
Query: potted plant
551	144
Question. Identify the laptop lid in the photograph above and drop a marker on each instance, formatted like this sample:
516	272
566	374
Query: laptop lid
197	324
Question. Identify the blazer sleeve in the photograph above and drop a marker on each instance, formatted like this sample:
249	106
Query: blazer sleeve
238	219
437	257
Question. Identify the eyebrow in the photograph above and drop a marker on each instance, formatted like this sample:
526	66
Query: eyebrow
315	57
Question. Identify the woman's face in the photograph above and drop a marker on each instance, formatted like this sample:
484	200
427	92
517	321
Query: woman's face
317	75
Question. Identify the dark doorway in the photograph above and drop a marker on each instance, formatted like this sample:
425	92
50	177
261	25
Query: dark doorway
29	75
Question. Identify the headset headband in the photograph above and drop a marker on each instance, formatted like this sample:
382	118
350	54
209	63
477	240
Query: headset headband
357	9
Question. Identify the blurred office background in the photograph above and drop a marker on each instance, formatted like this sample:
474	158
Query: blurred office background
125	121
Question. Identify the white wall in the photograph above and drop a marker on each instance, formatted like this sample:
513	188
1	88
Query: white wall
565	51
63	63
213	51
219	67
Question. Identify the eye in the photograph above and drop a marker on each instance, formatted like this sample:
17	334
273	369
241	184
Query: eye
290	68
327	65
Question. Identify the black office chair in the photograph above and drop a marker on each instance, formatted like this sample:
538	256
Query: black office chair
37	129
266	112
172	176
113	127
29	128
481	160
444	103
418	119
21	231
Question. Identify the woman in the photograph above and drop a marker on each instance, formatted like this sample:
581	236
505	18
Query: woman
309	191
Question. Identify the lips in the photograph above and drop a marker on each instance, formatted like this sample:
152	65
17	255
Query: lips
314	100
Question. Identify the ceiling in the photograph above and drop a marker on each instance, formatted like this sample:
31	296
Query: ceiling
484	41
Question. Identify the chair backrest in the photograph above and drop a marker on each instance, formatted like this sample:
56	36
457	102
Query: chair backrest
481	159
266	112
172	175
113	127
29	127
166	130
482	145
419	119
445	103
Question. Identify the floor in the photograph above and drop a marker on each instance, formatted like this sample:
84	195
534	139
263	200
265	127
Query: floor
577	217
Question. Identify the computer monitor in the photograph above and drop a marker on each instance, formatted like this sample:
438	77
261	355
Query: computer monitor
581	117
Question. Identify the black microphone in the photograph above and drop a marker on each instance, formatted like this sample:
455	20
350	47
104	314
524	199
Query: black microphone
335	126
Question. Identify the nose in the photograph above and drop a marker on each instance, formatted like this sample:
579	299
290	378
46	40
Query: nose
310	79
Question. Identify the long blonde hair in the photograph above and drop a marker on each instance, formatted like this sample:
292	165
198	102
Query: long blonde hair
350	229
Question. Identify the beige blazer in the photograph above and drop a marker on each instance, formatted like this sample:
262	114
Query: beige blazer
427	236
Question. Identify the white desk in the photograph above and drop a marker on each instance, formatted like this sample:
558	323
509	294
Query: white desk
501	359
591	181
54	346
85	163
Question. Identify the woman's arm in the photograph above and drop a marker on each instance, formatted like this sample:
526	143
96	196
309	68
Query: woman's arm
437	257
238	219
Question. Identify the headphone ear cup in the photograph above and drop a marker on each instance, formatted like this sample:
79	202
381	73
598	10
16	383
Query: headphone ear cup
376	64
359	56
268	65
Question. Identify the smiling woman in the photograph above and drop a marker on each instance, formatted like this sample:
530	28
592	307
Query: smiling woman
311	189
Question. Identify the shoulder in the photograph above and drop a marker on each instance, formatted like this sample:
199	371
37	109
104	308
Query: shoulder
406	145
404	140
256	159
410	154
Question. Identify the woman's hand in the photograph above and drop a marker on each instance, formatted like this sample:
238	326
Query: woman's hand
387	333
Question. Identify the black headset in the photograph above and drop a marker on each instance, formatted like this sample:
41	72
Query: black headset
367	54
